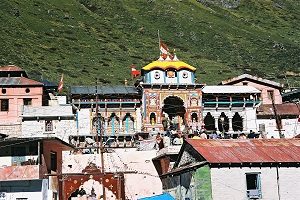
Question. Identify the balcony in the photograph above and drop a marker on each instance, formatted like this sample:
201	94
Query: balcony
229	104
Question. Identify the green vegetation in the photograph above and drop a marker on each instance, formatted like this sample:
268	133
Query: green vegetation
202	181
85	39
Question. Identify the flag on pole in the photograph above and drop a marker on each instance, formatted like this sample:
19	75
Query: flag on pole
134	71
163	48
61	84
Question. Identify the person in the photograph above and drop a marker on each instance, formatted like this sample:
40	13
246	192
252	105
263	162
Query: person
190	130
166	140
203	135
214	135
179	139
196	137
165	122
153	132
159	141
251	135
242	136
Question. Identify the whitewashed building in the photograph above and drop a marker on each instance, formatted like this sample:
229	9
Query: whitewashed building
140	176
230	108
287	123
236	169
30	168
49	121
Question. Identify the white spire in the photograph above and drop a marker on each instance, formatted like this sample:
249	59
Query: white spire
168	58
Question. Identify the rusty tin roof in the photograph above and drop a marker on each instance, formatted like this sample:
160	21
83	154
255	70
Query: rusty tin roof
18	81
282	109
248	151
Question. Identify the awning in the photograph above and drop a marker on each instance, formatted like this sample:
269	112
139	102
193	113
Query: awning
164	196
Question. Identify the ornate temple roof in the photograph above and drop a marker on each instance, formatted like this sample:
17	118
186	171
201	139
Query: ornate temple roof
165	64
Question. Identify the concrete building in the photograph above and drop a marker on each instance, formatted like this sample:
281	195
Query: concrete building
17	90
287	117
269	89
230	109
118	109
49	121
139	175
30	167
235	169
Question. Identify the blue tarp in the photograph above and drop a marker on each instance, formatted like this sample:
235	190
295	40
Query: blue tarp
164	196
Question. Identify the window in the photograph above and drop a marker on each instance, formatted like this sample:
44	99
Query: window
27	102
27	90
152	119
4	104
48	126
245	83
21	198
253	185
53	157
270	94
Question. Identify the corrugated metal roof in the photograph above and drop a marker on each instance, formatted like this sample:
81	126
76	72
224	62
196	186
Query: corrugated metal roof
282	109
248	151
14	81
104	90
229	89
48	111
296	91
10	68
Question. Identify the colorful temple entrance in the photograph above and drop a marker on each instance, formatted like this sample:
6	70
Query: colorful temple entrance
171	98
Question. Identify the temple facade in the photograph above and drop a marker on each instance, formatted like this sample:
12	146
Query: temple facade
171	97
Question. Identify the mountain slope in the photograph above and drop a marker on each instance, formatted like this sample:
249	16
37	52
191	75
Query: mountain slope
85	39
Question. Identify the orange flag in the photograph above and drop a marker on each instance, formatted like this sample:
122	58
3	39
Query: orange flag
61	84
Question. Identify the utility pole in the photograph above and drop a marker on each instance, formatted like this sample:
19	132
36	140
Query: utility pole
99	133
277	118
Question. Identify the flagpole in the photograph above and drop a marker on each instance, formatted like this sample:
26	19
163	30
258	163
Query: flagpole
158	39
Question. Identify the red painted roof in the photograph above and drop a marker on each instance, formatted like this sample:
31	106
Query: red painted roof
248	151
11	68
282	109
18	81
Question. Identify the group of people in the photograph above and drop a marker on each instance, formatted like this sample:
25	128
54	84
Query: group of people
172	137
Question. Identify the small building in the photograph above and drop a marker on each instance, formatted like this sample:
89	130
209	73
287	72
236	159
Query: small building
30	167
16	90
49	121
235	169
277	119
269	89
118	109
138	173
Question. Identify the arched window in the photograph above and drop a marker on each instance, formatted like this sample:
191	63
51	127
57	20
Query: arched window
209	122
223	123
237	122
113	124
194	117
152	119
128	123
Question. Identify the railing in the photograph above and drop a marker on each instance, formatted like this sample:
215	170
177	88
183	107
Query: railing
105	101
230	103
